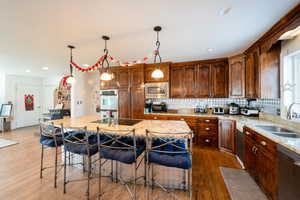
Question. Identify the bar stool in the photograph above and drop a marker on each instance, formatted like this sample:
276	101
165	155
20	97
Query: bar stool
169	152
121	146
80	142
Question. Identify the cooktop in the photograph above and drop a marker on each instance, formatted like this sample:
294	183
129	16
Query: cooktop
127	122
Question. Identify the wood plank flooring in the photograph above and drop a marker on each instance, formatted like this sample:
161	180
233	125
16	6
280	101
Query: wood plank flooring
19	174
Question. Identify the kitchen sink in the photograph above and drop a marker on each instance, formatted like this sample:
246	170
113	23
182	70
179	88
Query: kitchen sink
282	132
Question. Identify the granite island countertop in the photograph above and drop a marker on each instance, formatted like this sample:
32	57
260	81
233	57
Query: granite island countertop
172	128
290	143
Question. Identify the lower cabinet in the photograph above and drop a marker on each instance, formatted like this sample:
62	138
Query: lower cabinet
261	161
227	135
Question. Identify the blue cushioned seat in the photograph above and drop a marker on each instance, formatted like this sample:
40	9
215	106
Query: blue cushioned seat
177	160
81	148
49	141
123	155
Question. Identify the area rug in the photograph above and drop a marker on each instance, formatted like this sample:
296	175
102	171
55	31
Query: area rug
240	185
5	143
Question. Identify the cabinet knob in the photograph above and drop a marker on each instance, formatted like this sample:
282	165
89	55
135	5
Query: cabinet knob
207	129
207	140
247	133
207	120
263	143
182	119
155	117
297	163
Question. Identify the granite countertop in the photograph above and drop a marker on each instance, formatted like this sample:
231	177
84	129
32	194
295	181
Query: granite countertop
291	143
170	128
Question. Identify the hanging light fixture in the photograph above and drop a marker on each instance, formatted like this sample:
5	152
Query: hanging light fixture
71	78
157	73
105	75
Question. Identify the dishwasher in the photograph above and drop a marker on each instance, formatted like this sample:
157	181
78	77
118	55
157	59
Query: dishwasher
288	174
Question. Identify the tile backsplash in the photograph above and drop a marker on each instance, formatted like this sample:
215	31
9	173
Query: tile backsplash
270	106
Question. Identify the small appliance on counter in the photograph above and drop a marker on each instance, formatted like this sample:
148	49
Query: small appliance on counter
148	106
234	109
250	111
218	111
159	107
200	109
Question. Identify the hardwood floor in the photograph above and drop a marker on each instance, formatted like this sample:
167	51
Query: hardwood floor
19	174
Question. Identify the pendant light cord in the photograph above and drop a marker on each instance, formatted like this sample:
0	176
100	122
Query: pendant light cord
157	54
105	57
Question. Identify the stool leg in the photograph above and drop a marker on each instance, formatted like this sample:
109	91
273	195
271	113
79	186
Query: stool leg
100	174
89	176
55	169
112	170
152	175
190	184
135	175
65	170
42	160
83	164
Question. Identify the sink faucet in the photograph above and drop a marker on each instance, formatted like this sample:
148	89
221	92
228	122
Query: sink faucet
289	112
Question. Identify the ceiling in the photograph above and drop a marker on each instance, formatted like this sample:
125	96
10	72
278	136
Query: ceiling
34	34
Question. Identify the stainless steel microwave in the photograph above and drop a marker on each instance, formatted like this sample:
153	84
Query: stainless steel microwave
157	90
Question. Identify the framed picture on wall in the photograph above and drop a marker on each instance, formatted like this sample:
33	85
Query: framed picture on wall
6	110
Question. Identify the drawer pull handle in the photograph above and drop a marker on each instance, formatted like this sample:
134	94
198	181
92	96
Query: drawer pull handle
297	163
207	129
247	133
207	120
182	119
263	143
207	140
155	117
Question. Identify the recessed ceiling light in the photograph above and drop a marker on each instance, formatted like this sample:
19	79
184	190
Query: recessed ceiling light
27	70
45	68
86	65
224	11
209	49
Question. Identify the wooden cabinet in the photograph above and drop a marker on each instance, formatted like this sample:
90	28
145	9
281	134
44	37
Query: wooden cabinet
123	78
124	103
112	84
164	67
227	135
237	77
199	79
252	65
219	80
203	81
261	161
177	82
137	102
136	75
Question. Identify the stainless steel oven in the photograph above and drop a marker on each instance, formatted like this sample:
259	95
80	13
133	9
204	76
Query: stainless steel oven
109	103
157	90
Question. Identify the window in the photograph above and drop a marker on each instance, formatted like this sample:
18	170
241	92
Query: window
291	81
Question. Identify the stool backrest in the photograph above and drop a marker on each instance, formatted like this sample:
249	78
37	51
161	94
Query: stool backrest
161	143
47	129
116	139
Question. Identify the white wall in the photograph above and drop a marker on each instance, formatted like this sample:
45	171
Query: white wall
49	85
2	87
288	47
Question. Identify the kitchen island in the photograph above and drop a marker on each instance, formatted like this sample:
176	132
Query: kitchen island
169	177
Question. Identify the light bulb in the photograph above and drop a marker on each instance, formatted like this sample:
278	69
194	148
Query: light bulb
157	74
105	76
71	79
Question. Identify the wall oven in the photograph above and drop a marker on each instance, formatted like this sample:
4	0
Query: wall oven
157	90
109	104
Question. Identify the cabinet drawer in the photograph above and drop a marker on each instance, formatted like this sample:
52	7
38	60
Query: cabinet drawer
210	140
266	144
208	120
208	130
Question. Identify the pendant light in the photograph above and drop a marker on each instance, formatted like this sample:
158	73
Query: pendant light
105	75
157	73
71	78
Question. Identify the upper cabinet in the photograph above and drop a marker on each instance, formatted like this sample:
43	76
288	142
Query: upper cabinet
219	74
199	79
237	76
252	67
164	67
136	75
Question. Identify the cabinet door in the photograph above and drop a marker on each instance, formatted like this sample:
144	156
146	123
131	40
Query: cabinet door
112	84
250	157
251	81
227	135
203	81
219	80
136	75
267	172
237	77
137	102
190	81
123	78
177	83
149	68
124	103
